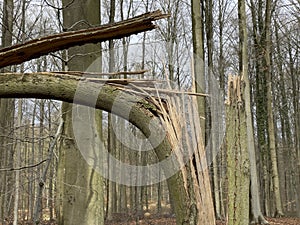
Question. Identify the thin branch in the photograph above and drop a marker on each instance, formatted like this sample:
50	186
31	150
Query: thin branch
23	167
91	74
44	175
58	8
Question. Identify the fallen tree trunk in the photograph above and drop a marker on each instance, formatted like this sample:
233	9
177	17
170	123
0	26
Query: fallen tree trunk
35	48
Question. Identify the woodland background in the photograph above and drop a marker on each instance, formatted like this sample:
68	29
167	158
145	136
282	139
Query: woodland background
30	163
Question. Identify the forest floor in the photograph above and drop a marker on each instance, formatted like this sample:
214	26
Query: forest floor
171	221
167	220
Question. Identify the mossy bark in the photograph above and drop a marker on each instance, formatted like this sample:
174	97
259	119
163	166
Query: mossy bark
238	173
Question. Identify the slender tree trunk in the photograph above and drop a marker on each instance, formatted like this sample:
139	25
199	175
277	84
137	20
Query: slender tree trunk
6	117
285	152
121	124
213	109
17	162
111	143
296	104
198	56
53	171
31	185
271	129
257	216
222	6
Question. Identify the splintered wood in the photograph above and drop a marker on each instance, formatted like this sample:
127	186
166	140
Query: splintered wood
182	124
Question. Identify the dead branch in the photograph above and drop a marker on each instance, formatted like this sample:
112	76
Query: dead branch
95	74
35	48
23	167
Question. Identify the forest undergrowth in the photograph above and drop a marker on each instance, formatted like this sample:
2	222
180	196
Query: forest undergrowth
171	220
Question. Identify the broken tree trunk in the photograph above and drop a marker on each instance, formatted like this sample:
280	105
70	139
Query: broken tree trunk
35	48
189	187
238	173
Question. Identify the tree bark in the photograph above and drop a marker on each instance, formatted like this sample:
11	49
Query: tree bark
198	57
82	191
257	216
6	117
238	172
17	162
271	131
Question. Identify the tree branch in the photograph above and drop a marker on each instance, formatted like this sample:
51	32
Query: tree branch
23	167
35	48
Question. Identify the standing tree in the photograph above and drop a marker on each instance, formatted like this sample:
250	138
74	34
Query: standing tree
198	51
264	101
243	70
111	139
271	128
6	117
80	187
238	172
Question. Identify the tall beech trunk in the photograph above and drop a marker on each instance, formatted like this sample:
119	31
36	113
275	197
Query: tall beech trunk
256	214
80	186
271	129
261	18
198	56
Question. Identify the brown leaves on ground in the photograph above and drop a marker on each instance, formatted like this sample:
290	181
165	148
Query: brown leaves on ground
172	221
284	221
